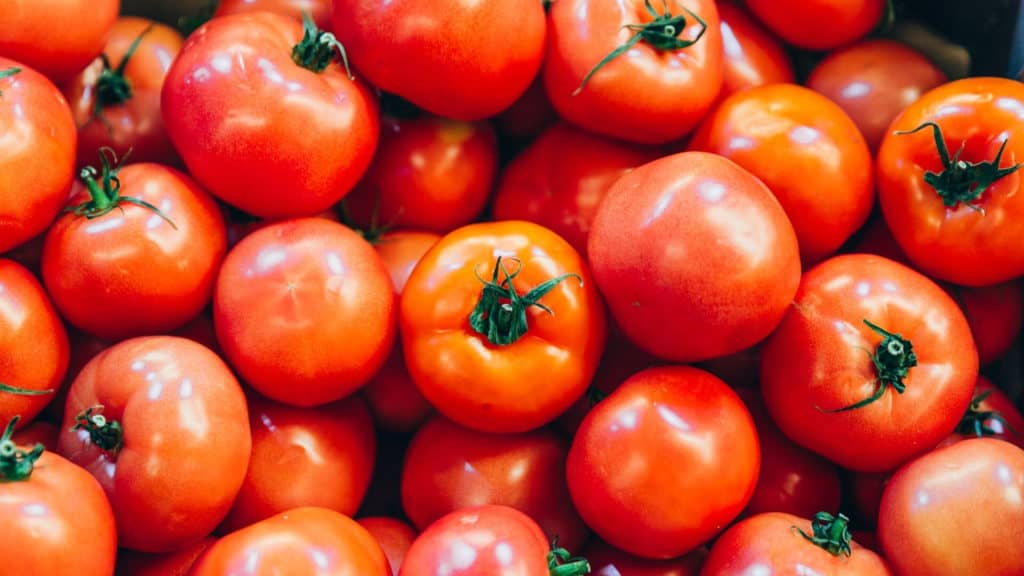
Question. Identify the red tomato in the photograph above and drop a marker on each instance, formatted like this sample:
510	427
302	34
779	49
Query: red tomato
818	24
300	542
958	220
240	225
694	256
753	56
117	269
502	326
873	81
261	131
560	179
664	463
991	413
875	353
394	536
37	169
865	494
461	60
161	423
607	561
798	143
177	563
995	314
655	94
401	251
288	295
38	432
530	115
319	10
957	510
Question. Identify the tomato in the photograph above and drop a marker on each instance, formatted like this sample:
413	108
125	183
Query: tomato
876	354
753	56
448	467
301	542
957	510
273	136
177	563
607	561
304	457
818	24
319	10
240	225
38	432
394	536
873	81
118	269
865	495
991	413
288	295
798	143
502	326
460	60
56	37
37	169
694	256
559	180
530	115
656	94
778	543
161	422
958	220
664	463
995	314
429	173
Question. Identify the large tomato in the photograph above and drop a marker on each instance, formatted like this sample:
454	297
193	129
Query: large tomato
819	24
664	463
694	256
177	563
266	133
753	56
394	536
161	422
319	10
876	354
608	561
502	326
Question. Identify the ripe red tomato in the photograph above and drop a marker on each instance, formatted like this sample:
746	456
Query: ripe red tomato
818	24
161	422
798	143
664	463
995	314
608	561
991	413
694	256
118	269
459	60
502	326
958	510
753	56
876	354
36	171
177	563
655	94
273	136
950	192
319	10
394	536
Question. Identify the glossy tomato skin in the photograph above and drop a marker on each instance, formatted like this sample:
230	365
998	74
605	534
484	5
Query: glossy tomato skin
318	10
35	174
957	511
819	361
995	314
693	460
818	24
394	536
306	139
301	542
165	494
649	96
798	143
177	563
971	245
129	272
753	56
694	256
288	295
608	561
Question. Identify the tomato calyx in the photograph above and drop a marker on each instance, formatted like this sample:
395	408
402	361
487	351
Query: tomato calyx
960	180
106	194
830	533
8	389
318	49
16	464
107	434
562	563
973	422
893	358
7	73
373	233
112	88
662	33
500	315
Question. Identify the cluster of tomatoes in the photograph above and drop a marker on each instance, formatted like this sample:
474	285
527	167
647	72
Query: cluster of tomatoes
527	288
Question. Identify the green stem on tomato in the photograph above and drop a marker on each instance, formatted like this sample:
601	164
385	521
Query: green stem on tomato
973	422
104	433
7	73
893	358
113	87
318	49
16	464
8	389
830	533
105	195
562	563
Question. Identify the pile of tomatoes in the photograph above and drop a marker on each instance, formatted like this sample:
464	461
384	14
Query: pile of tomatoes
504	288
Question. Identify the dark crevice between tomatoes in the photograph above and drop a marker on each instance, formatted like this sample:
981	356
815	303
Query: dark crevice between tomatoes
830	533
318	49
562	563
893	359
106	194
8	389
16	464
107	434
375	230
189	24
7	73
112	88
973	422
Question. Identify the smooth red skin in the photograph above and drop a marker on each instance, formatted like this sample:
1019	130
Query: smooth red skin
186	439
33	342
959	245
38	432
995	314
865	494
82	349
319	10
816	361
301	542
997	401
664	463
58	522
956	511
753	56
130	273
319	457
460	60
873	81
608	561
503	542
429	173
177	563
649	96
767	544
36	167
394	536
798	143
448	467
561	178
266	135
716	288
528	116
56	37
818	24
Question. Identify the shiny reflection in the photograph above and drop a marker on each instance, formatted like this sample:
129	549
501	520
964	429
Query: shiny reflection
504	554
856	89
1011	105
12	312
35	509
672	419
461	555
308	443
751	237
